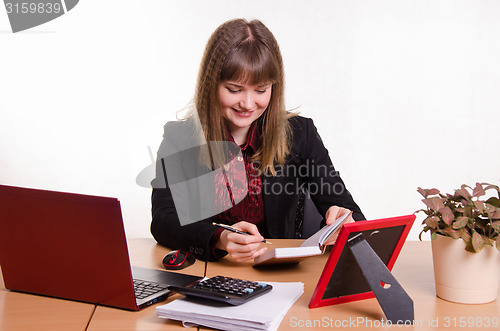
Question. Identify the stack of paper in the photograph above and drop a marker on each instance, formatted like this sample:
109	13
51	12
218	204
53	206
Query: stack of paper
262	313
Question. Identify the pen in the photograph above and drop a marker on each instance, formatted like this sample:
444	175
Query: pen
230	228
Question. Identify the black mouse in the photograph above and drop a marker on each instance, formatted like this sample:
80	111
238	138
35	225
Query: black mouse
176	260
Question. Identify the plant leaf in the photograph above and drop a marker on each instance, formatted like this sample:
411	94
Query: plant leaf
463	192
425	211
479	206
469	248
496	214
426	192
452	233
432	221
493	201
434	204
487	241
477	241
466	236
467	211
497	243
496	226
460	222
489	209
478	190
447	215
491	186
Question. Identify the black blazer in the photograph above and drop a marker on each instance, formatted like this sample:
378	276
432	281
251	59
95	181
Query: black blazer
307	166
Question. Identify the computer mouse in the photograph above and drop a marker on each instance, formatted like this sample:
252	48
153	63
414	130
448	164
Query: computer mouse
176	260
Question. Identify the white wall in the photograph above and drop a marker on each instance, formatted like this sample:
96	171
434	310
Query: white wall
404	93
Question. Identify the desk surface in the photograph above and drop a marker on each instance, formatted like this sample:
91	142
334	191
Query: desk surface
20	311
413	270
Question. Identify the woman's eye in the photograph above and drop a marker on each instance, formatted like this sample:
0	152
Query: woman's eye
261	91
232	91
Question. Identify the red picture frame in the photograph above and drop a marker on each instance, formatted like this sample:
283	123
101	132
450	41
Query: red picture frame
390	235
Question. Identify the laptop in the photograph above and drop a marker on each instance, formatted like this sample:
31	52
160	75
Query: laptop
73	246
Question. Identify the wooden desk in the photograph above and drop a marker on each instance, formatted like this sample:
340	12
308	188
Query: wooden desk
148	254
19	311
413	270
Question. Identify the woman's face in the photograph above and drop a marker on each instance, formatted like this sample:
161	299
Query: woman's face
242	103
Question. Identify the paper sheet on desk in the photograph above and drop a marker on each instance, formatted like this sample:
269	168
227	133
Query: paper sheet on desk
262	313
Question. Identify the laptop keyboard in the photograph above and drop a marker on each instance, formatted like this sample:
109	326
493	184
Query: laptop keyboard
144	289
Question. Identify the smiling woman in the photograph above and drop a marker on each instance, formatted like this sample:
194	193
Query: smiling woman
241	105
239	101
244	54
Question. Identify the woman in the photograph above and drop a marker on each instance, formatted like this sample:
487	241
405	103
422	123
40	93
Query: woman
239	100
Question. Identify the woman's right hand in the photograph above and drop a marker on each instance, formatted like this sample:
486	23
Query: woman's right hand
239	246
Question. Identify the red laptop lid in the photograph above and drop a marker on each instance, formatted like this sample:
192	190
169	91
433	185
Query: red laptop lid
65	245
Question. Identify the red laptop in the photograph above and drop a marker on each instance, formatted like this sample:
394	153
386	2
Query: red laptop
73	246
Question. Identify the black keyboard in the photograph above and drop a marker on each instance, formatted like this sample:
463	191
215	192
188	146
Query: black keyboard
143	289
225	289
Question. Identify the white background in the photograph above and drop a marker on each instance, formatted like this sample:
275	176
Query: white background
404	93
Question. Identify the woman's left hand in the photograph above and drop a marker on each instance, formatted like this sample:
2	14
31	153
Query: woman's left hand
335	212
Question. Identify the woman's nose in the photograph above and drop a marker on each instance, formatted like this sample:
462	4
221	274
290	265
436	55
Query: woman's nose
248	101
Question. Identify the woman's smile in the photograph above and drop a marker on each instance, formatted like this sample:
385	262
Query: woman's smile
242	104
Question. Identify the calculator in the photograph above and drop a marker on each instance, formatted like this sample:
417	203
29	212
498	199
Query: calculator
233	291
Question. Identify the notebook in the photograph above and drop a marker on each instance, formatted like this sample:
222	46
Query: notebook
72	246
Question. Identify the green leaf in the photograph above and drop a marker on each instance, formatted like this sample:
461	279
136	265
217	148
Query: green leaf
433	235
434	204
497	243
469	248
477	242
460	222
478	190
494	202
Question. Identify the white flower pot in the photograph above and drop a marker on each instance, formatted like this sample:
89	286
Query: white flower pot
462	276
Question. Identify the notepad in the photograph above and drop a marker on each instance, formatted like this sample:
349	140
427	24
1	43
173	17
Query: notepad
315	245
263	313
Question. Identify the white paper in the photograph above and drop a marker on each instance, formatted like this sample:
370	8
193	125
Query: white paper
263	313
320	237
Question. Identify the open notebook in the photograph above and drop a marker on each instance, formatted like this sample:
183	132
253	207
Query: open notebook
315	245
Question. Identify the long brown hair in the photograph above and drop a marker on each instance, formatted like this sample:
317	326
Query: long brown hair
245	51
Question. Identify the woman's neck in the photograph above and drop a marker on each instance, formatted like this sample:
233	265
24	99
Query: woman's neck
240	135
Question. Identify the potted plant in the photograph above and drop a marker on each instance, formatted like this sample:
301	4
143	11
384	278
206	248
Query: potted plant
465	229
